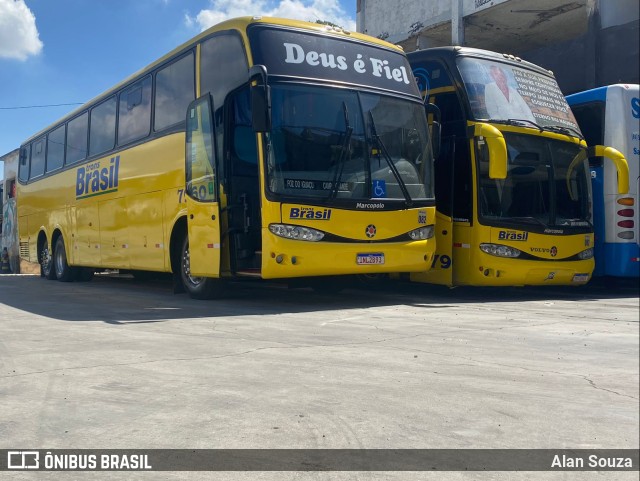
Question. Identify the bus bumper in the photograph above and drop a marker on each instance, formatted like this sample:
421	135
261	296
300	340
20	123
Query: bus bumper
528	273
285	258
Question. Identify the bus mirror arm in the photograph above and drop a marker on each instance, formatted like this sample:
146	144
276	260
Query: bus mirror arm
622	167
260	99
436	129
497	149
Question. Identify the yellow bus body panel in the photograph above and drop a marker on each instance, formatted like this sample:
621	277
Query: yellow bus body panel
293	258
129	224
472	267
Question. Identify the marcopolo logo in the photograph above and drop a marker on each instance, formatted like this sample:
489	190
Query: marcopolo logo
512	235
309	213
97	178
363	205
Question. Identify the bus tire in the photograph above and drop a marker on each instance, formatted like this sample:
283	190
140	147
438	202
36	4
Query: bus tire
46	263
196	287
63	272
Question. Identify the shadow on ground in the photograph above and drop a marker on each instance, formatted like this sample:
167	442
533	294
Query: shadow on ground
118	299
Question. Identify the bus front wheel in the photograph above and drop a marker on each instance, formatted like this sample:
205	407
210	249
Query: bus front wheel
197	287
64	272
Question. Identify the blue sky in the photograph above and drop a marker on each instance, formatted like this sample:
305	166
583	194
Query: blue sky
69	51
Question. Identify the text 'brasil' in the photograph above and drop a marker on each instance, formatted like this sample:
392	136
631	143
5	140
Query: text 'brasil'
95	179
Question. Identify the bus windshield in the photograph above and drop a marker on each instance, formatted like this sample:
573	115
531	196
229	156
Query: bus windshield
347	145
501	91
544	186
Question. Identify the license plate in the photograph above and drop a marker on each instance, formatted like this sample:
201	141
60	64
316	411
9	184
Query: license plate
580	277
369	259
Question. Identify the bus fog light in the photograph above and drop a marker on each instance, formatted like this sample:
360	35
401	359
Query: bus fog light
422	233
296	232
499	250
586	254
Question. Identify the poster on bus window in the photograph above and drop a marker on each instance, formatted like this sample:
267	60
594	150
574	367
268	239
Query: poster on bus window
500	91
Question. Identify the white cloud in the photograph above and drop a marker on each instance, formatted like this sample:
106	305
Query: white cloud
18	33
310	10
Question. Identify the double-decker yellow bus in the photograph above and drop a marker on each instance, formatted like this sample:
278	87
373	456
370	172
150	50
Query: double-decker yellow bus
512	183
262	148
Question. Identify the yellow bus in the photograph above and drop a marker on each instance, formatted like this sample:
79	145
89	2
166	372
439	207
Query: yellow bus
512	183
263	147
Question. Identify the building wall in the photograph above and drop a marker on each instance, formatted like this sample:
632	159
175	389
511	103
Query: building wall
400	19
607	54
9	238
587	43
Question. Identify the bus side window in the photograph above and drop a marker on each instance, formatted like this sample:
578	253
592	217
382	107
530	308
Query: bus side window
175	90
222	49
77	139
590	117
55	149
25	161
134	114
37	158
102	133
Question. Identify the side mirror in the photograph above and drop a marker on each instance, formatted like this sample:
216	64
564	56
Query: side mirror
497	149
260	99
436	128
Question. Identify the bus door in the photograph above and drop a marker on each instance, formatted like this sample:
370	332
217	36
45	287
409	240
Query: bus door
243	195
201	193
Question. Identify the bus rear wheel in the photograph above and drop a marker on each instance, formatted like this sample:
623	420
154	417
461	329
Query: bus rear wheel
197	287
63	273
46	263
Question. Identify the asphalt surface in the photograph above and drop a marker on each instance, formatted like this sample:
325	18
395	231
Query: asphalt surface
117	363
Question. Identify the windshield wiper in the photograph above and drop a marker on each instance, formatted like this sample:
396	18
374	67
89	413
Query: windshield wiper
518	123
389	160
337	176
550	128
564	130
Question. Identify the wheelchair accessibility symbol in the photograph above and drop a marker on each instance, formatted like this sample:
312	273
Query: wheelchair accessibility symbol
379	189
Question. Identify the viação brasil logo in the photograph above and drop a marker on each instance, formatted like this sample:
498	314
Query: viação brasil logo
97	178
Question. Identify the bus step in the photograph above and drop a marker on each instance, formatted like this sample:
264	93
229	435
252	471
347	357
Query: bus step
249	272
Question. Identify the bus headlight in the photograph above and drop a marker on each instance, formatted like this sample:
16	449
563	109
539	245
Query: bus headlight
296	232
422	233
586	254
499	250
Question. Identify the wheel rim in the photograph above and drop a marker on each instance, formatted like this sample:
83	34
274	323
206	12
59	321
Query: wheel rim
186	269
46	259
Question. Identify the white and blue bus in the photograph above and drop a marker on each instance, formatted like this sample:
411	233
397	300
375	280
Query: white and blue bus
611	116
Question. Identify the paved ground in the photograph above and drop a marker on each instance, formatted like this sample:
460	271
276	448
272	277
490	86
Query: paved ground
116	363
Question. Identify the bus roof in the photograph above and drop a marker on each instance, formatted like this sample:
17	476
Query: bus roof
240	24
457	51
598	94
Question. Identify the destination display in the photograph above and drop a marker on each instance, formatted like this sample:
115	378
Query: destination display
326	57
